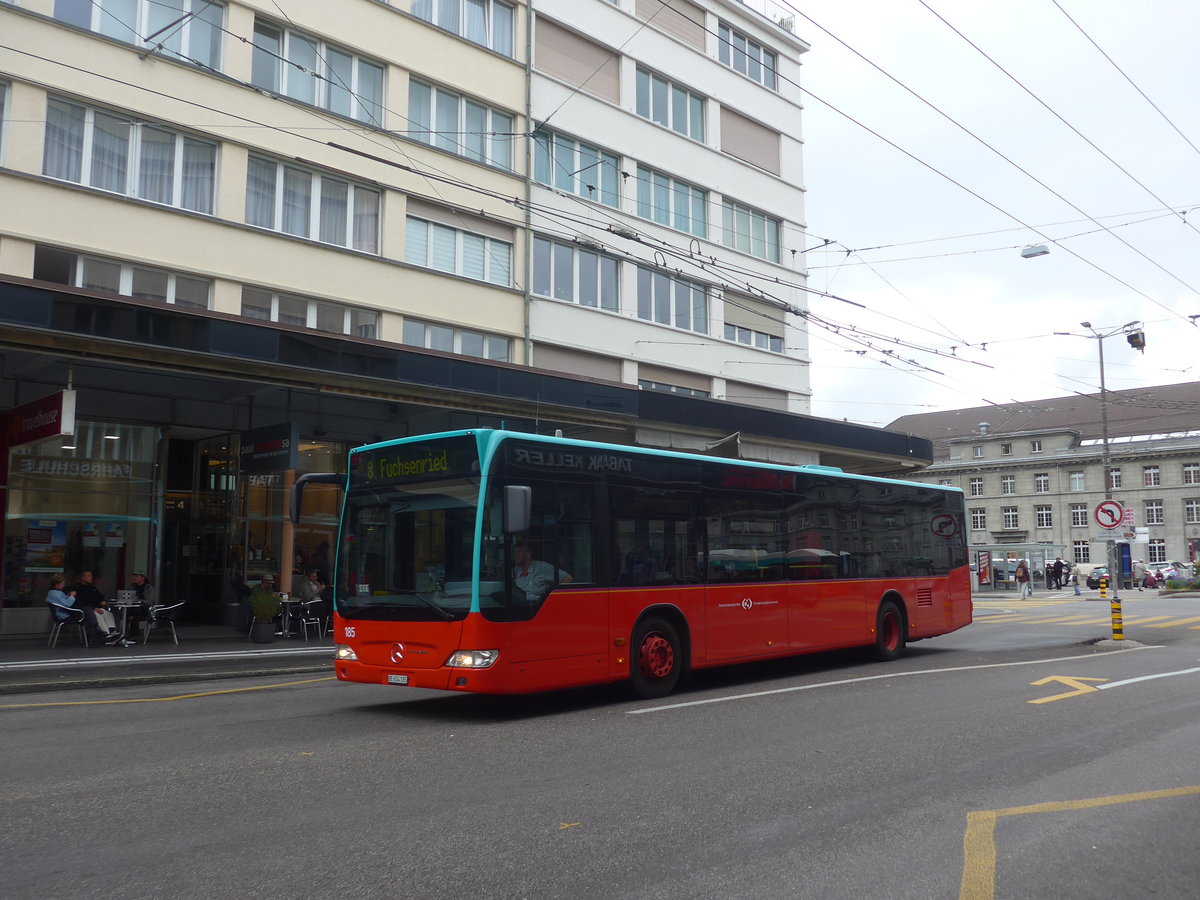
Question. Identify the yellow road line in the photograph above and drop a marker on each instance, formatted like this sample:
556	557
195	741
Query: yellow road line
261	687
1172	624
979	840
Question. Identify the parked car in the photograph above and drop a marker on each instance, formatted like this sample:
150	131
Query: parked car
1093	579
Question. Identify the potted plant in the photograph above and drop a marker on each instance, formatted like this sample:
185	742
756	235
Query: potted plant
264	606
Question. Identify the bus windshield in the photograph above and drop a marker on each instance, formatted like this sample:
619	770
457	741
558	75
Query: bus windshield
408	535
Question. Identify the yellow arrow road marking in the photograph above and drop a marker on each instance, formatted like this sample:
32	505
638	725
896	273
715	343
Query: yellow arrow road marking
1077	683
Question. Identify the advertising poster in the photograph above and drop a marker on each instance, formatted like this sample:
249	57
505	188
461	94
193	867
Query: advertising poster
45	546
114	534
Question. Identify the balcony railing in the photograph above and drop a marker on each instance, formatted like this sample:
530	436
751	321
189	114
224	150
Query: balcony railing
781	16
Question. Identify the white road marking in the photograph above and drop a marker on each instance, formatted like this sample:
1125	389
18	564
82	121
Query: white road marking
825	684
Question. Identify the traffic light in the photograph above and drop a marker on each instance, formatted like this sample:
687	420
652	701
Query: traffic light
1137	340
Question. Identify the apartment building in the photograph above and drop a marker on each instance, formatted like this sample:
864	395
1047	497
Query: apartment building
234	223
1033	473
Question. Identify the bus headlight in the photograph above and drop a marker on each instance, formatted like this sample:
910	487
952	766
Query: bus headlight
472	659
346	652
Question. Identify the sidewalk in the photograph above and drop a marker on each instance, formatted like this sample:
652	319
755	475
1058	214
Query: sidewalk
204	652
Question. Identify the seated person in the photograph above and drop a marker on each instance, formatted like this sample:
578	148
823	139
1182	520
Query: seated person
98	618
60	597
535	577
145	599
310	587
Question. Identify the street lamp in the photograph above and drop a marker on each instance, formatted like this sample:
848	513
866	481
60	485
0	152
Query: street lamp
1110	545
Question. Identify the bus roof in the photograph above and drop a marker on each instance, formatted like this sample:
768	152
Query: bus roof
492	438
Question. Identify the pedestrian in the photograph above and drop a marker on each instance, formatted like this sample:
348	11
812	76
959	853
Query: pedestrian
1139	574
1059	568
1076	577
1024	581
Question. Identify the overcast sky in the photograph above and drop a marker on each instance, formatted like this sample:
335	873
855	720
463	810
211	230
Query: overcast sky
948	271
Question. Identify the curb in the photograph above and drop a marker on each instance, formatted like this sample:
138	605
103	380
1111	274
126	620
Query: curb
101	680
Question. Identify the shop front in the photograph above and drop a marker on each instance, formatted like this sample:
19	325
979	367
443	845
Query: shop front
75	503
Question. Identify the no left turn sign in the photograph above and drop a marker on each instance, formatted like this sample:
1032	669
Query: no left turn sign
1109	514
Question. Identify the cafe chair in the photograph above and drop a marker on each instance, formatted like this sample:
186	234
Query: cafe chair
74	616
164	616
312	615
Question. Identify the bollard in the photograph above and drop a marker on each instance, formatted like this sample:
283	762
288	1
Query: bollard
1103	587
1118	626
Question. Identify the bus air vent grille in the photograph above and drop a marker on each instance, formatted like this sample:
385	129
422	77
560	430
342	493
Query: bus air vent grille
924	597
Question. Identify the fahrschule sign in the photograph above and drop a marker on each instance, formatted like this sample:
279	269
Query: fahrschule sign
51	416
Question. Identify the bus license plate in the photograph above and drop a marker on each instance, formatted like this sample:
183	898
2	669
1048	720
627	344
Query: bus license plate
397	679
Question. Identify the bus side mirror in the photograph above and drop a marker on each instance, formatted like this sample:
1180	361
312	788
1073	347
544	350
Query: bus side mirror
518	505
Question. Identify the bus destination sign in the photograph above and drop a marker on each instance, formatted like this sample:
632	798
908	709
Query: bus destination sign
452	458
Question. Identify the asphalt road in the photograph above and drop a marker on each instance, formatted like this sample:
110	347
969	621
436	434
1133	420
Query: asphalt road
826	777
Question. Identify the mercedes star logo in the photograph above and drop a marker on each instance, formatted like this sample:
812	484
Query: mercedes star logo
397	653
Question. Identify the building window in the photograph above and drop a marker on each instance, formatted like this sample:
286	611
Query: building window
111	152
750	231
190	30
1035	446
1157	551
1076	481
569	272
1150	476
486	22
116	277
1006	449
1008	484
308	204
746	55
1079	515
320	315
1154	512
977	452
458	252
1082	551
670	300
1011	519
1041	483
1114	479
670	388
458	125
456	340
1043	516
309	70
760	339
575	167
669	104
672	202
1191	473
978	519
1191	512
976	487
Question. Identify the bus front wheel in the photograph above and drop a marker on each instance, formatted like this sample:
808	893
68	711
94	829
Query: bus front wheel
657	661
889	631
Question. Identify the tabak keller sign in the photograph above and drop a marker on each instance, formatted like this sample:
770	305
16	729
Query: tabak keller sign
272	448
51	416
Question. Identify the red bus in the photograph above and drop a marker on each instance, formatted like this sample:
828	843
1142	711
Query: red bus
501	562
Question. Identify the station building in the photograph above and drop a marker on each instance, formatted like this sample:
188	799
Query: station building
238	241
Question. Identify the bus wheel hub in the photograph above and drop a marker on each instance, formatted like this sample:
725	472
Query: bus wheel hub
657	656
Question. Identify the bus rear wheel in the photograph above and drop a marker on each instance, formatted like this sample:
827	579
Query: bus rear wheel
889	631
657	662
